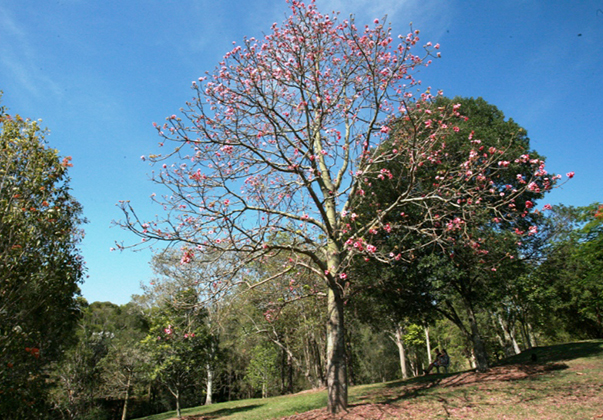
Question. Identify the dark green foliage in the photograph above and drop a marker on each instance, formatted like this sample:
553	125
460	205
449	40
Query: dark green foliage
40	265
469	271
569	280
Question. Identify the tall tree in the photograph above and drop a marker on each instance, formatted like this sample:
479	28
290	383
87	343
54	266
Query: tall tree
284	132
482	230
40	263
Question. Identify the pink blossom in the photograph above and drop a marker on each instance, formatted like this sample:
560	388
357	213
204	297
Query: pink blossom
187	257
343	276
570	174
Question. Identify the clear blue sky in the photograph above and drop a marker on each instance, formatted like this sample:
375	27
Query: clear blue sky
99	73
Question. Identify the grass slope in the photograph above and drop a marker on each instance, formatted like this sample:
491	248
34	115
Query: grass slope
565	382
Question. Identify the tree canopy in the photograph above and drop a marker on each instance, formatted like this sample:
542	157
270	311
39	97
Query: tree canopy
40	262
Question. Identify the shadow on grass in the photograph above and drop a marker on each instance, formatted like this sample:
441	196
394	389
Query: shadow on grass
401	390
556	353
521	367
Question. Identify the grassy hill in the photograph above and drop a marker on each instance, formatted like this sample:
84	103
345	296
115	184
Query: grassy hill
564	382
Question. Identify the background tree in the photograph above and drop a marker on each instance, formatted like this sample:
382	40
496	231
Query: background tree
175	280
40	264
91	380
462	270
262	371
177	344
284	132
123	367
569	277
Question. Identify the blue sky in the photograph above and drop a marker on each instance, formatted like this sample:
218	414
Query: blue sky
100	73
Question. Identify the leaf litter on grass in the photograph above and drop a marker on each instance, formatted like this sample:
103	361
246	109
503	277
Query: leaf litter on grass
556	390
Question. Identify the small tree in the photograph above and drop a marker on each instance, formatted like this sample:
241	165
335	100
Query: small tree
177	344
262	372
281	136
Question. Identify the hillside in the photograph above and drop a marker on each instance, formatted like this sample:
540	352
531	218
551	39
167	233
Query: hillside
565	382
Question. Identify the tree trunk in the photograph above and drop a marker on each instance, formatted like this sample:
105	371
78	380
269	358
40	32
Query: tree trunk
336	365
124	412
210	384
526	336
401	351
510	344
178	411
479	349
516	348
319	372
289	373
532	336
428	344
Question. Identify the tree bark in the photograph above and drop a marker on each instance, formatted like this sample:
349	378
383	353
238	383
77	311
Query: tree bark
481	358
336	365
428	342
401	351
319	372
509	337
124	412
209	385
526	335
532	336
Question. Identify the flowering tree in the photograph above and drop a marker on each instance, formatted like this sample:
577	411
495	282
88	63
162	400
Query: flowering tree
285	132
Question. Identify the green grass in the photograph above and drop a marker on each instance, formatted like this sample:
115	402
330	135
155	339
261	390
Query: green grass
254	409
566	382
